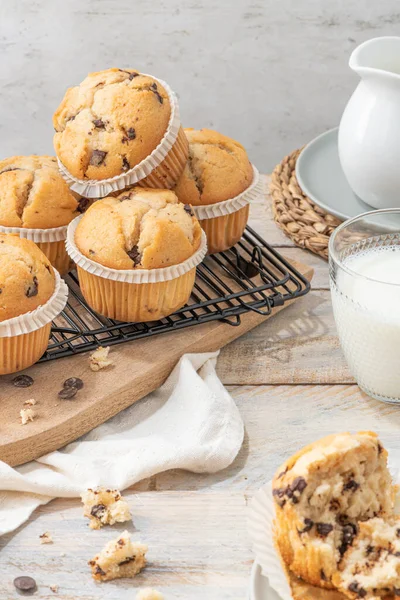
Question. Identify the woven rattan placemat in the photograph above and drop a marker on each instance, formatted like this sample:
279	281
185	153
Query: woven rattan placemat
305	223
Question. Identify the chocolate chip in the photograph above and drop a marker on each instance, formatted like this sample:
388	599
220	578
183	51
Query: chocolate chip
324	529
124	198
99	124
155	91
132	75
1	290
348	533
32	289
334	504
25	583
380	449
135	255
131	133
323	576
398	533
286	470
351	485
127	560
308	524
83	205
369	550
121	542
187	208
125	164
97	157
396	591
74	382
22	381
354	587
91	251
298	485
67	393
99	571
98	511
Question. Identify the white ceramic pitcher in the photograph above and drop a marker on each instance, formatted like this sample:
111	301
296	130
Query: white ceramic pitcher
369	133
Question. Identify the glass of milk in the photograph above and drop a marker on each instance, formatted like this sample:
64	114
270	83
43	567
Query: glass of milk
364	266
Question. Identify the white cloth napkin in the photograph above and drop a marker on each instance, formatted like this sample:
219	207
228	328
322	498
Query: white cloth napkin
190	422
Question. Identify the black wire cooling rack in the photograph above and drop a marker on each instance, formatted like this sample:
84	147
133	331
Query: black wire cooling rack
252	276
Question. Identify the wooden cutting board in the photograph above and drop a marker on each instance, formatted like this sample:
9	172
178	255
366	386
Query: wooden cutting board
139	367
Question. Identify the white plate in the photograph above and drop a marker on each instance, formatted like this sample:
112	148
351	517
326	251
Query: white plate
259	585
321	177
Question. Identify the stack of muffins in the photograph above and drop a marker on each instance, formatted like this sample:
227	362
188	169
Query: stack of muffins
153	196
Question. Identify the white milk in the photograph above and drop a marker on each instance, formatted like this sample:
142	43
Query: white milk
367	314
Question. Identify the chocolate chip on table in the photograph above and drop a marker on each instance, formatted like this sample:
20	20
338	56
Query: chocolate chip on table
187	208
324	529
308	524
32	289
67	393
25	583
97	157
125	164
99	124
135	255
22	381
73	382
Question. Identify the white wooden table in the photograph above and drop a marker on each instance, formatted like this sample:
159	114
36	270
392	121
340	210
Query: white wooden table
292	385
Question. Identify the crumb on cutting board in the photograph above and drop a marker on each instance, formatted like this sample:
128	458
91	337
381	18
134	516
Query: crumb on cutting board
99	358
27	414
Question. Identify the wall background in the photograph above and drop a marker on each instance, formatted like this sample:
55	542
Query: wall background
270	73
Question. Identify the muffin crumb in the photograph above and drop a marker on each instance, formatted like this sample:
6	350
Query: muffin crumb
27	414
99	358
30	402
54	589
149	594
119	558
46	538
105	507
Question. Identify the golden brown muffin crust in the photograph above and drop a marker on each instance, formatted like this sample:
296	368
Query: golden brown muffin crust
27	278
110	123
139	229
217	169
33	194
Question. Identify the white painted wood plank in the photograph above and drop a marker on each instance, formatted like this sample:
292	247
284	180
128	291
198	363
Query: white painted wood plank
300	345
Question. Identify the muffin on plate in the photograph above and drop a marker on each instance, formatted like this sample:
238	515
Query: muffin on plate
321	495
36	204
218	181
119	124
137	254
31	295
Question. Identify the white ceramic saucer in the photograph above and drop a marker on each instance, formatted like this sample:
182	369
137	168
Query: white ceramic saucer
259	585
320	176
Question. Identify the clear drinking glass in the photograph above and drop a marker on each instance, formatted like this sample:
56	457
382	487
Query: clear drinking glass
364	267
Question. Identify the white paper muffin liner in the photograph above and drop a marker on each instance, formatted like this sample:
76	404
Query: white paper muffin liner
96	188
227	207
56	234
260	526
132	275
41	316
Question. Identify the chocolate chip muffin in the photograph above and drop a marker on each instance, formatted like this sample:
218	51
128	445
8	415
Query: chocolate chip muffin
217	170
111	122
371	567
34	196
139	229
321	495
137	254
26	277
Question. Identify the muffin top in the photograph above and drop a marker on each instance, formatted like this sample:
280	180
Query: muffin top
110	123
33	194
139	229
217	169
27	278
